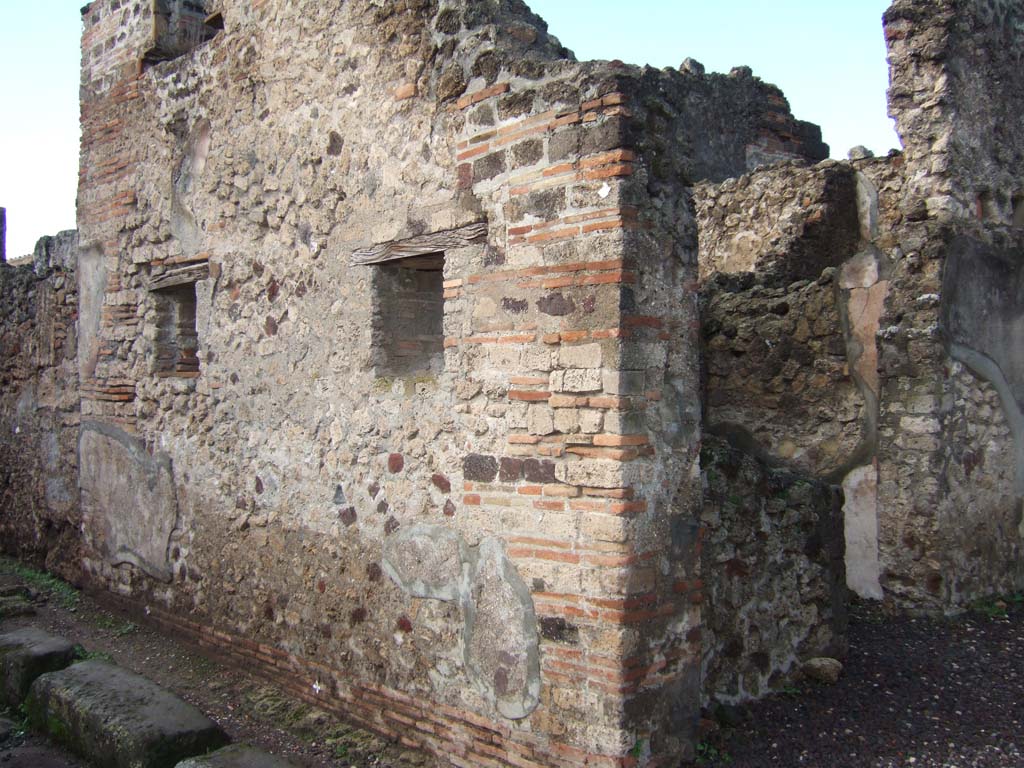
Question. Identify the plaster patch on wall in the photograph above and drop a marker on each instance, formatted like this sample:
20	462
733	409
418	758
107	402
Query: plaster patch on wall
183	221
130	507
427	561
867	207
204	308
501	634
865	294
987	369
500	639
58	494
861	315
860	522
92	284
984	324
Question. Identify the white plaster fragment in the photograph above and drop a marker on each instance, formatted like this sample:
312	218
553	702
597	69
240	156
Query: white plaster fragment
859	272
860	522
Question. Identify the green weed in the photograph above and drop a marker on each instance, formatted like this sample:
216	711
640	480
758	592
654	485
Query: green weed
116	626
204	666
20	717
57	589
709	754
83	655
996	606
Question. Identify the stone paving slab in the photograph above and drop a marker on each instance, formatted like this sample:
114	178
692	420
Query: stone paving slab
14	606
236	756
119	719
8	589
36	757
25	654
16	754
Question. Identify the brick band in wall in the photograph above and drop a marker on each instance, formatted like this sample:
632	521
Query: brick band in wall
463	738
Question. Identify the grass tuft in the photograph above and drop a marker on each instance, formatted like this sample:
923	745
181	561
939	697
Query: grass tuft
55	588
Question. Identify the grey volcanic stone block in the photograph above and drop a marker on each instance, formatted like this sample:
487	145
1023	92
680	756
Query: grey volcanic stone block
39	756
119	719
16	605
236	756
25	654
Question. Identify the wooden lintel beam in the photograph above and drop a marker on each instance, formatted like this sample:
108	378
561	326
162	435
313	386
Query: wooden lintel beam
182	276
420	245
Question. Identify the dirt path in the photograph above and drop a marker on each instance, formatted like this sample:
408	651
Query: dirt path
921	693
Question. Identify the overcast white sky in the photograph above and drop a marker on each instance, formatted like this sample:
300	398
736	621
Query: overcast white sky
827	55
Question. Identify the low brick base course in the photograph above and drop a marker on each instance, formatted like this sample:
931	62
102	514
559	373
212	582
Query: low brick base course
462	738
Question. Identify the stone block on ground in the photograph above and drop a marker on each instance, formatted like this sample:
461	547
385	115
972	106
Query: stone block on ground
39	756
236	756
25	654
824	670
15	605
13	587
7	728
119	719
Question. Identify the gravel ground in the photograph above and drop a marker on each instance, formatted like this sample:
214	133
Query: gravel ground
927	693
921	692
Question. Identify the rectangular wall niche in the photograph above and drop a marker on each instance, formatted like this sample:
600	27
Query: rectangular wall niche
177	341
408	319
178	27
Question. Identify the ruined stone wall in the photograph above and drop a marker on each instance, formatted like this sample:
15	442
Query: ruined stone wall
289	457
776	372
956	95
771	245
980	517
773	566
948	498
39	410
783	415
719	125
849	378
389	342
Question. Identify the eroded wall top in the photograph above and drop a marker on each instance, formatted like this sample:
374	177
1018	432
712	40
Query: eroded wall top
957	95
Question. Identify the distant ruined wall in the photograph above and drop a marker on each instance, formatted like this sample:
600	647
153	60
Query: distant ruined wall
771	247
39	408
956	95
784	419
861	320
846	378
